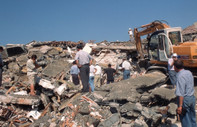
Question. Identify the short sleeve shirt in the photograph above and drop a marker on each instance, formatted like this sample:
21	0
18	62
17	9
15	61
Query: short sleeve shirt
74	70
98	68
110	72
185	83
83	57
91	70
31	68
126	65
170	61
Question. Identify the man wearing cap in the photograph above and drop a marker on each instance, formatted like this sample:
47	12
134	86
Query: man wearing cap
83	60
171	71
126	68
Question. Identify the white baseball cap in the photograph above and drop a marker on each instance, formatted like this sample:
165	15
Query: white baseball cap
174	55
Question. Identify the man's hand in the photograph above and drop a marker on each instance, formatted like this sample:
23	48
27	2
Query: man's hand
79	66
179	110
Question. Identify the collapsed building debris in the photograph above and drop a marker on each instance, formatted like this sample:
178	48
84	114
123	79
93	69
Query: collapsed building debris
190	33
138	101
20	99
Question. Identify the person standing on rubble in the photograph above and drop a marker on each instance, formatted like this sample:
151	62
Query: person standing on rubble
171	71
91	77
110	74
74	71
126	66
83	60
185	95
1	65
97	76
130	32
32	73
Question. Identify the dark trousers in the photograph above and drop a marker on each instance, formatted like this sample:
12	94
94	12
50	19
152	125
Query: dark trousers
75	79
84	75
110	81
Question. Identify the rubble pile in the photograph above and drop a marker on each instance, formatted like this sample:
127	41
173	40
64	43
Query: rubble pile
139	101
190	33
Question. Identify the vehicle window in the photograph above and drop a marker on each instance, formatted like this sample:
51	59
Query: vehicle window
153	49
175	37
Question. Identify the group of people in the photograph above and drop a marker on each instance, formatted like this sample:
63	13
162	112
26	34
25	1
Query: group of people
183	81
90	75
84	70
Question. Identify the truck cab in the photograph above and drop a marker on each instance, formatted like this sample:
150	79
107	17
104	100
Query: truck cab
161	42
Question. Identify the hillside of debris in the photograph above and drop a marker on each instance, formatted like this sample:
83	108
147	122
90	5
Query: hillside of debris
141	101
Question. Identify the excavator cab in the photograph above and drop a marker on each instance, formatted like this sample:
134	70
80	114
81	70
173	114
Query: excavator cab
160	45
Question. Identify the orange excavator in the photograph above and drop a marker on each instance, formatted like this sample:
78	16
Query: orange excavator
164	40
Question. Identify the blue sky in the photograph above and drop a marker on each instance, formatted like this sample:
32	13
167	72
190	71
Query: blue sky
22	21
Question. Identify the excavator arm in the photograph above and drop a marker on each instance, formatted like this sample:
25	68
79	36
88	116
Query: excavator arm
146	29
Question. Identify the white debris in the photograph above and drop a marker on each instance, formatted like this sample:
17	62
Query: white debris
46	84
21	93
61	89
87	49
34	113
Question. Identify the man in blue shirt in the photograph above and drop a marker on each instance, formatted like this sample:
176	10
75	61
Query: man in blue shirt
74	71
185	94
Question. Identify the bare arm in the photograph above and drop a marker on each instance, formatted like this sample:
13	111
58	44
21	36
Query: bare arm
179	109
77	62
91	62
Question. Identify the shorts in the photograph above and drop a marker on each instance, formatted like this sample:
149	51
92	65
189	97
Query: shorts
32	79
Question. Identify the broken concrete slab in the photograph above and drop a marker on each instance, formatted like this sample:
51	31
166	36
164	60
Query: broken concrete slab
129	89
112	121
56	67
164	93
20	99
172	108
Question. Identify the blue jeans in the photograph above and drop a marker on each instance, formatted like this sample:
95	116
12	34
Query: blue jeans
189	119
126	74
172	75
91	82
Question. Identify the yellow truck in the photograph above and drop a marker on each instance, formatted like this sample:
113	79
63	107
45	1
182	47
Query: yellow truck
164	40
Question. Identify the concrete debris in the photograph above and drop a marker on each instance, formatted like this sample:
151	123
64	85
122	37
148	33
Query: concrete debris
138	101
46	84
163	93
190	33
20	99
35	114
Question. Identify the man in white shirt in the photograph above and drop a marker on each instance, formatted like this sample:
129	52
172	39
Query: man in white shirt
130	34
126	68
171	71
32	73
97	76
91	78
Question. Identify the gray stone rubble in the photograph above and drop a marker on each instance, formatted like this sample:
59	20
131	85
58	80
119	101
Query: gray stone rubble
138	101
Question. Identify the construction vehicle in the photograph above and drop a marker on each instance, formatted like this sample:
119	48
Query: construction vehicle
163	41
